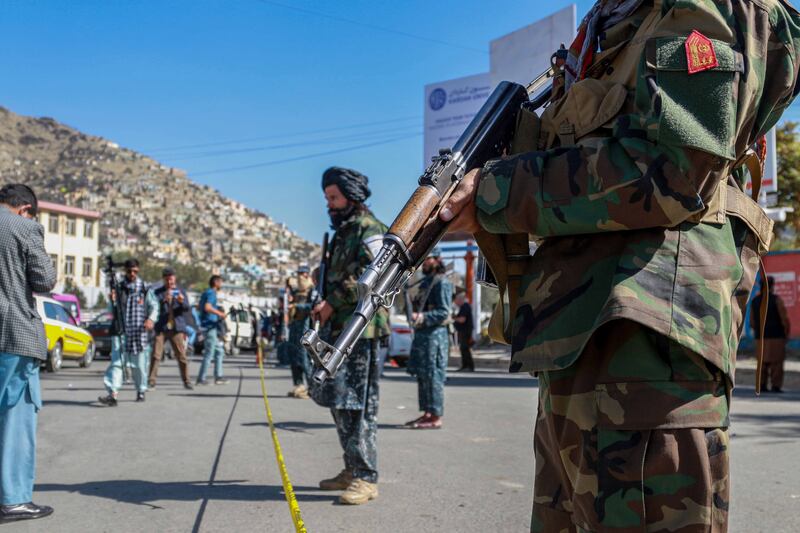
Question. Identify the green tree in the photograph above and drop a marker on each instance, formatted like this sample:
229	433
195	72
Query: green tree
190	276
71	288
788	148
101	302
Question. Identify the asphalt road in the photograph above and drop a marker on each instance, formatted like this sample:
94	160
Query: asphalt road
203	461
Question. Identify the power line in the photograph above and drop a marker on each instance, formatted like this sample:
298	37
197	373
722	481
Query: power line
304	157
373	27
329	140
280	136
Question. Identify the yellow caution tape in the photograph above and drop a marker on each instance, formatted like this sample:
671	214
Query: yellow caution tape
288	491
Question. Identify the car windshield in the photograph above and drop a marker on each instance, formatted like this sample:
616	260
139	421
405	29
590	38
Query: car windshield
103	317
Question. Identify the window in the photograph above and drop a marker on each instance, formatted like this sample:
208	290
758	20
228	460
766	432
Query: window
69	265
54	260
52	223
70	226
87	267
51	310
88	229
55	311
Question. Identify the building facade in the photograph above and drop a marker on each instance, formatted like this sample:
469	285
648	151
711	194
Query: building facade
71	238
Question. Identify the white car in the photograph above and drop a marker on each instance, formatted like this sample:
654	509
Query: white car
400	340
240	330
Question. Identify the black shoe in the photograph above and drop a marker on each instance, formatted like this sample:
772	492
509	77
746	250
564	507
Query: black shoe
109	401
777	389
23	511
139	396
203	382
188	385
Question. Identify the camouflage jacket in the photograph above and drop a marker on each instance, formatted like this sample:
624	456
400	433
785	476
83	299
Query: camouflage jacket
300	289
627	186
433	299
352	248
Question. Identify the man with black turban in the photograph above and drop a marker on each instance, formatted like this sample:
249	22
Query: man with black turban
353	394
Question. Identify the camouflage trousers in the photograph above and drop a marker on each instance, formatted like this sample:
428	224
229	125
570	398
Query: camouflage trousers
430	350
358	435
632	437
353	397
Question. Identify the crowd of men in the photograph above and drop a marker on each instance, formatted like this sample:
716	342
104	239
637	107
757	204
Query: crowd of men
151	318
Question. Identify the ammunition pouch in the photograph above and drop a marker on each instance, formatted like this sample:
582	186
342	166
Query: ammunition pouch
508	257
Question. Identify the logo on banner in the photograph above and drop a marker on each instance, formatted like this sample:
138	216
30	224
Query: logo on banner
437	99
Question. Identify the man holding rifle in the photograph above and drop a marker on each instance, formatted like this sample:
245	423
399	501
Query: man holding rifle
353	394
630	311
300	289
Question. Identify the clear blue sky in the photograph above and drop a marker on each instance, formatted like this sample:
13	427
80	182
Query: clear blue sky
156	76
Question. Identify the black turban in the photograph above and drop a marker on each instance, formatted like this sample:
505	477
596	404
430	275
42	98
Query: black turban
353	184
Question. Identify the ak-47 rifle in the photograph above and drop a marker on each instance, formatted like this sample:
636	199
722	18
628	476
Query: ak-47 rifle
418	228
318	293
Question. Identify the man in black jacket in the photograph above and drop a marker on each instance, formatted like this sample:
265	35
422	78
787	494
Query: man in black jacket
173	315
464	327
26	268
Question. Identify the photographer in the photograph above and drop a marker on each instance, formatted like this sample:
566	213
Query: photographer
139	311
171	326
26	269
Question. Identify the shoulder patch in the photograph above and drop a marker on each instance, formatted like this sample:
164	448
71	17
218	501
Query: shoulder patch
700	53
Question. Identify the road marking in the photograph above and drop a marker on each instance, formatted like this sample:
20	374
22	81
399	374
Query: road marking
288	491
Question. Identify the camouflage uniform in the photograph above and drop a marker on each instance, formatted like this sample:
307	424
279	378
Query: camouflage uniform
352	394
300	320
631	309
430	348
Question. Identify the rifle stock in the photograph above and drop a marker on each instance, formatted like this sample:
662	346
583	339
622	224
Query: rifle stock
418	228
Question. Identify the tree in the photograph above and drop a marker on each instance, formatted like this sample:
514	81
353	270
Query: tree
71	288
260	288
788	148
101	302
190	276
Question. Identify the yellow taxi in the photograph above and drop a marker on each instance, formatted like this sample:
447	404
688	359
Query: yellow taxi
65	338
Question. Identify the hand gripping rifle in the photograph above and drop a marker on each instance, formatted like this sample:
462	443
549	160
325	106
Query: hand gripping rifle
418	228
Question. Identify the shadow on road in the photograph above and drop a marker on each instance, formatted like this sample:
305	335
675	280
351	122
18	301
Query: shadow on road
201	395
73	403
146	493
474	379
770	426
305	427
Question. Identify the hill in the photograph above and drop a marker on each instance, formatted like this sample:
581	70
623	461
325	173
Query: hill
149	209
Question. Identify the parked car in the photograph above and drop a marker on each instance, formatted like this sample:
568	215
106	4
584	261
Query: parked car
239	334
400	340
100	328
65	339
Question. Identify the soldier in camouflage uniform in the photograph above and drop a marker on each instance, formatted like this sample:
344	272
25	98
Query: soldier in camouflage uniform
631	309
299	315
430	348
353	394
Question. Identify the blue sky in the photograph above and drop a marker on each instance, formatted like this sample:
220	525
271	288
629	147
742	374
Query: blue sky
210	86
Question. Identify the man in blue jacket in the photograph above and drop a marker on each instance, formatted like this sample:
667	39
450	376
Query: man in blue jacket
26	269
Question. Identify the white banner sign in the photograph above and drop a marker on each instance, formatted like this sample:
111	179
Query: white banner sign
449	107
